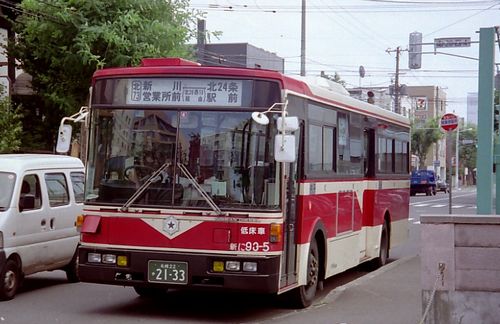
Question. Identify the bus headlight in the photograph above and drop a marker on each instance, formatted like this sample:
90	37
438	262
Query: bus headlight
109	258
233	265
250	266
94	257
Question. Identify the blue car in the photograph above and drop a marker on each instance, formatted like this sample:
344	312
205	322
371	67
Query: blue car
423	181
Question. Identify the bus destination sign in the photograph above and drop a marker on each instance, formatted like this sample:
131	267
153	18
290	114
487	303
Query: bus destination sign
184	92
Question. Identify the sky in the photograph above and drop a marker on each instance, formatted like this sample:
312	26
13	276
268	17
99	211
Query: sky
342	35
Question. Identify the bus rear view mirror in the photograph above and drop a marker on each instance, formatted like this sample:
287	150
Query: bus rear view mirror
63	138
287	124
284	148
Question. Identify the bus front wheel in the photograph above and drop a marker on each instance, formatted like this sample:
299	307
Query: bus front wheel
303	296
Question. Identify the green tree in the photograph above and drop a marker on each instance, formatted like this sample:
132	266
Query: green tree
60	43
10	126
467	149
423	137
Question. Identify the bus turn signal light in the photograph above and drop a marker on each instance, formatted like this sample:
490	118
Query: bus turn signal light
275	233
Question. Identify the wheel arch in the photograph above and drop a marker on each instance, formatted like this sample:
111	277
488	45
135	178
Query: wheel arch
319	234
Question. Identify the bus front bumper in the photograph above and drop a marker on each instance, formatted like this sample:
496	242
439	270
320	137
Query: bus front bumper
200	274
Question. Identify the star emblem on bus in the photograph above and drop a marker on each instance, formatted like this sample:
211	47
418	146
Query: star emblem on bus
171	225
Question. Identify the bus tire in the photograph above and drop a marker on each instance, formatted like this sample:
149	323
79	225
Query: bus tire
383	255
303	296
148	292
10	279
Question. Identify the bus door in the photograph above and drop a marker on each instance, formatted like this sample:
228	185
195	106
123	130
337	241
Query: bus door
369	152
368	168
291	185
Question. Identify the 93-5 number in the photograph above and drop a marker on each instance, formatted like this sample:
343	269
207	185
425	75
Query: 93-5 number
253	246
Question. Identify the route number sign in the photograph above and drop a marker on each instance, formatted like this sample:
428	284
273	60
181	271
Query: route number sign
449	122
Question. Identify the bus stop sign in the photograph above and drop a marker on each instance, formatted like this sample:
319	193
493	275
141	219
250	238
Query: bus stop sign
449	122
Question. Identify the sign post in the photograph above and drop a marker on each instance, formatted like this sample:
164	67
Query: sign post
448	123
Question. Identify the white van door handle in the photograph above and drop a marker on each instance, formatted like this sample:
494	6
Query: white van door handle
52	222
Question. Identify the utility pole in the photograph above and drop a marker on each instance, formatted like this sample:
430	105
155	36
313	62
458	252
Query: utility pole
397	108
303	41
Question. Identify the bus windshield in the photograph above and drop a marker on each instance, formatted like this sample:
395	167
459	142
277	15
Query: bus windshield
184	155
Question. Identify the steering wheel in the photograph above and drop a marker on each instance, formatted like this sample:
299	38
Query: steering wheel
143	172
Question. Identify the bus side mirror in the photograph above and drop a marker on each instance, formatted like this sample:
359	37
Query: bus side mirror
287	124
63	138
284	148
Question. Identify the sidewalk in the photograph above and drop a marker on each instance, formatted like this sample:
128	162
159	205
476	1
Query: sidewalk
390	295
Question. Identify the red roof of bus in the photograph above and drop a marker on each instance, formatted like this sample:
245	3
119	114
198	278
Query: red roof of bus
177	66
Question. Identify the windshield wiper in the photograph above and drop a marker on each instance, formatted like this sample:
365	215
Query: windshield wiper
144	186
200	190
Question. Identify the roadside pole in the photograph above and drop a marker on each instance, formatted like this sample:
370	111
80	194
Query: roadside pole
448	123
485	121
448	170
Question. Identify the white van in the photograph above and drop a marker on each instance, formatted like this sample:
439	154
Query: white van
40	197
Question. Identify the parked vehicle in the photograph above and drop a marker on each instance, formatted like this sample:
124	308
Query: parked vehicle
41	196
441	185
423	181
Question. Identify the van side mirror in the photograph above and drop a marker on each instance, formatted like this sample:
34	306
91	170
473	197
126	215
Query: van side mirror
64	138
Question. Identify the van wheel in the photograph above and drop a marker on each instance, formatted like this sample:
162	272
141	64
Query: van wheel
303	296
72	269
10	279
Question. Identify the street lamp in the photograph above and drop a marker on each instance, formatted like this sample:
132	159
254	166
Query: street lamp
457	151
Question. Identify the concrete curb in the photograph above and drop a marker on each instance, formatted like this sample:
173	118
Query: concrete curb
337	292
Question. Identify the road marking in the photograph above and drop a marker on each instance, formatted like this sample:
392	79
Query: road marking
445	205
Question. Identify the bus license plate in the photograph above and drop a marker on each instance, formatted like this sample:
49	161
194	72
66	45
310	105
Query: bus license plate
168	272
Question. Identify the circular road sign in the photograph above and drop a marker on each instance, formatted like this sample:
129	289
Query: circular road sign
449	122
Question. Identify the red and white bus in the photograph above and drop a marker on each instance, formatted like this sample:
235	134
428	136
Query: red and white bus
184	188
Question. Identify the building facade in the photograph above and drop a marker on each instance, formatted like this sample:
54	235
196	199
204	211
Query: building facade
429	102
239	55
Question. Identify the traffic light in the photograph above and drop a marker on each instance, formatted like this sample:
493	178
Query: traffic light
415	51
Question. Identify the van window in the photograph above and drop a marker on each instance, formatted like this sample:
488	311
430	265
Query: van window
30	197
57	189
7	181
77	179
